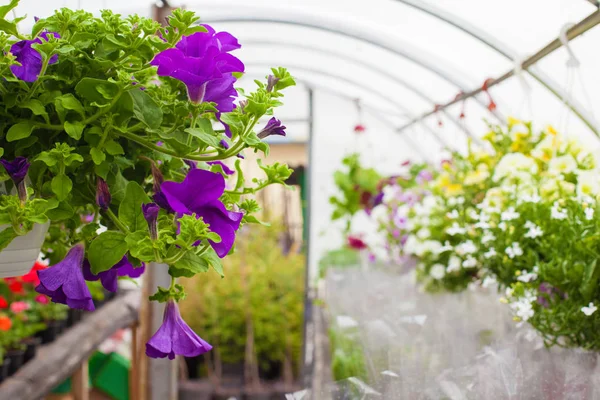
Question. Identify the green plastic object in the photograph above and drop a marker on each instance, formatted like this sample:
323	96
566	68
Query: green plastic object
95	365
112	378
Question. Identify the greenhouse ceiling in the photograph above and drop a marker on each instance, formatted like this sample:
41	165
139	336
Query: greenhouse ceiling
415	59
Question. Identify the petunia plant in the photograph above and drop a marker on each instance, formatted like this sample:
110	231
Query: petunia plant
126	136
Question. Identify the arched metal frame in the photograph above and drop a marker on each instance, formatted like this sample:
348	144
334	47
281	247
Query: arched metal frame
366	106
508	53
401	49
420	59
395	79
350	82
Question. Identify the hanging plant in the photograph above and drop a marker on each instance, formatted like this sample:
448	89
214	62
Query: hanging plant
115	134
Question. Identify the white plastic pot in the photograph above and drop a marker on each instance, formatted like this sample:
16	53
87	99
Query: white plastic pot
20	255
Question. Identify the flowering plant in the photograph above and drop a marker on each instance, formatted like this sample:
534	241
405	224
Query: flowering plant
359	189
521	216
116	131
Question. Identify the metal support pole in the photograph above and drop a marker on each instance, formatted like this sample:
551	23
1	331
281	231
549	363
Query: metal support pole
577	30
309	329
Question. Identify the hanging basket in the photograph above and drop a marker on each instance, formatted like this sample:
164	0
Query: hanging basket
20	255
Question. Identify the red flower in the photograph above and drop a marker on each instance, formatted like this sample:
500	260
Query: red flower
42	299
5	323
3	303
356	243
14	285
32	276
359	128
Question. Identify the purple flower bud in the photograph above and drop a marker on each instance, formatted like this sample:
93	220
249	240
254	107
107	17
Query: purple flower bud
226	169
151	214
103	196
273	127
271	82
191	164
17	170
224	144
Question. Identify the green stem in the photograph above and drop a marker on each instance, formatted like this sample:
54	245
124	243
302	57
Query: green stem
172	287
37	82
116	221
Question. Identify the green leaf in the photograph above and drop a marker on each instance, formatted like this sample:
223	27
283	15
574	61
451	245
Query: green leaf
233	121
97	155
36	107
145	109
140	246
589	282
20	131
214	260
61	186
1	151
6	236
4	10
70	102
205	133
97	90
47	159
106	250
113	148
189	265
74	129
130	209
60	213
9	27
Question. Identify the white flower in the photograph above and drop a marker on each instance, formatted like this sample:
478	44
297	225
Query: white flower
513	162
562	165
452	215
470	262
528	276
534	230
589	310
391	192
530	198
473	214
558	213
490	253
423	233
454	264
488	282
523	305
456	229
460	200
588	183
589	213
467	247
502	226
482	225
437	271
514	250
509	214
446	247
488	237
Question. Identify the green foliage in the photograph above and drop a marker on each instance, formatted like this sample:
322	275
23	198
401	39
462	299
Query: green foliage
263	293
347	357
340	258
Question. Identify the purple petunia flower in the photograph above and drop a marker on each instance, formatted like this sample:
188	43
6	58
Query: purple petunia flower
151	214
190	163
202	62
109	277
175	337
273	127
226	169
199	194
103	197
423	176
17	169
64	281
29	58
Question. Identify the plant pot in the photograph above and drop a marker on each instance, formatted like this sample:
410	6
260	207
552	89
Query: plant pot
32	344
53	329
20	255
4	369
16	360
74	316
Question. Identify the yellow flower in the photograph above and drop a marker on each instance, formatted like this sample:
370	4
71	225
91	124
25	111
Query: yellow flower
551	130
513	121
454	189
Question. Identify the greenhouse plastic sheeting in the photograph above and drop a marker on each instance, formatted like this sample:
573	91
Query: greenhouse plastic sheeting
352	49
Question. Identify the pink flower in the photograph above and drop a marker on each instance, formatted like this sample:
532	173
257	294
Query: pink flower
40	298
19	306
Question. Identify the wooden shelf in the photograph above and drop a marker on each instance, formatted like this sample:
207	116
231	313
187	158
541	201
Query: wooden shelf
60	359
